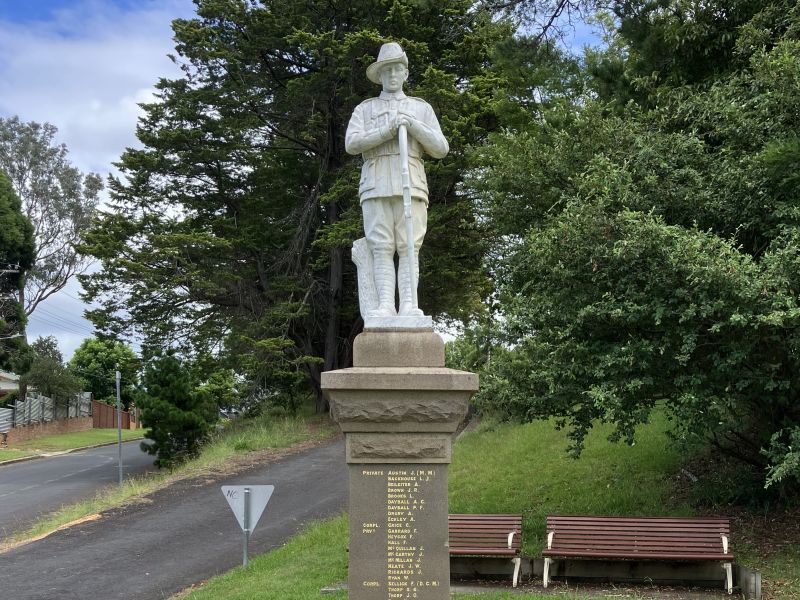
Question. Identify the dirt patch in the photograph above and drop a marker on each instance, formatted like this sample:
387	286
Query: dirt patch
762	538
644	592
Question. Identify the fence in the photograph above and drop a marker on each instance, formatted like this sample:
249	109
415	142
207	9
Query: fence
6	419
40	409
104	416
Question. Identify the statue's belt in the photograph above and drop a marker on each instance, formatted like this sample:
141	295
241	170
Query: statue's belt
388	152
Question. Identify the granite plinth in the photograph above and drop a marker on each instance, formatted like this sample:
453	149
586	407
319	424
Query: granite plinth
383	399
366	448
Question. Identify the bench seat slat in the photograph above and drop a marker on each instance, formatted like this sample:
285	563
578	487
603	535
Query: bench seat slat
669	529
633	537
481	541
643	527
483	551
485	527
640	555
636	542
638	549
488	519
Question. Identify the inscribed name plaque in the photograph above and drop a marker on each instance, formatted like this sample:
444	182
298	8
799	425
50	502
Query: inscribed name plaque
398	532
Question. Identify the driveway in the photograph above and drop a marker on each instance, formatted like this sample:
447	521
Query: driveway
185	533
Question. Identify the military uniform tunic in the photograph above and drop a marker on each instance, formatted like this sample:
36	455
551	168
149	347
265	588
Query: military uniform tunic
368	133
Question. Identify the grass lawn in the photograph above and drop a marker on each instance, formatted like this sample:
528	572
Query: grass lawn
80	439
525	469
7	454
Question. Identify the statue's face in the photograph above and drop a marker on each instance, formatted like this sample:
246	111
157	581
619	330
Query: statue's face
393	76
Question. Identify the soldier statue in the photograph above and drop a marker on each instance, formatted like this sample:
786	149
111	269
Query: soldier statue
387	131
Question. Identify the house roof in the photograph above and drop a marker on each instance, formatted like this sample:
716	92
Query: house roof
6	376
8	382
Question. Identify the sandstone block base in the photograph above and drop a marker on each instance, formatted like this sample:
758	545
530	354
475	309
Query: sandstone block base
398	407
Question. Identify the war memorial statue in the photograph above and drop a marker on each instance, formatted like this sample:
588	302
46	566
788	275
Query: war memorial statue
391	132
398	405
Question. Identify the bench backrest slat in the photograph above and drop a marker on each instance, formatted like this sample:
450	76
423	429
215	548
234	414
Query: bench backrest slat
484	532
654	537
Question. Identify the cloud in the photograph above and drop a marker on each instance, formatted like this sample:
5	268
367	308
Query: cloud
84	67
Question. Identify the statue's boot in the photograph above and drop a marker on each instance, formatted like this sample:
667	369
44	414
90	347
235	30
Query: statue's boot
383	265
407	308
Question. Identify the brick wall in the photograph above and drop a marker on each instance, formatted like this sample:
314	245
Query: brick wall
28	432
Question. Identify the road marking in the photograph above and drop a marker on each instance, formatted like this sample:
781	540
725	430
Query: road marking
106	460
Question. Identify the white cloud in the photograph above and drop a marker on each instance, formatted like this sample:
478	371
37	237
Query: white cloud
85	70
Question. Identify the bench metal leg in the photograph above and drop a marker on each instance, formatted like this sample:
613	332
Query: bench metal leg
728	576
517	563
546	577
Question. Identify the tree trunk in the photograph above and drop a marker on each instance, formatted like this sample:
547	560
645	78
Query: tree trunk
336	269
334	306
320	403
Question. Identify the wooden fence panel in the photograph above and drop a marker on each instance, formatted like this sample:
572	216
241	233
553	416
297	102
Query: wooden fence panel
104	416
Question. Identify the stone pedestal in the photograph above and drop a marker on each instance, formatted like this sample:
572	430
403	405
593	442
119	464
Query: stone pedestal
398	408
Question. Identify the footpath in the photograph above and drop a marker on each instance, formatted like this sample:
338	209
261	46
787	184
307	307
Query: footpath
181	535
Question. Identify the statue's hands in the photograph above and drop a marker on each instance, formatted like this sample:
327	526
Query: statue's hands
408	120
394	126
401	118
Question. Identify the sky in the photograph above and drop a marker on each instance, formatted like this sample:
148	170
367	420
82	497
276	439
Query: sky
83	65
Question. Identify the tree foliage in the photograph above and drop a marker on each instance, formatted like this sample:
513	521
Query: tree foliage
57	198
231	229
16	257
96	362
177	414
47	372
222	388
651	236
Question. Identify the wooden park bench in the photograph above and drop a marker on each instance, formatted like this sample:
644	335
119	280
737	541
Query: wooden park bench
639	538
487	535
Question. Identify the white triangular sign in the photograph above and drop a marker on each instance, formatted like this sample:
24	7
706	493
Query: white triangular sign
259	496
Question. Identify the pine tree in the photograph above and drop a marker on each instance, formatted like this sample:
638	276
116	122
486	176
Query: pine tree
178	415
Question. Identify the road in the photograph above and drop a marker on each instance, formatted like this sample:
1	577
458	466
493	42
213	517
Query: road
185	534
32	488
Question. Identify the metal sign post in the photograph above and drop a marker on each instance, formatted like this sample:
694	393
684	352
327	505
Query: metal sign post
246	529
247	503
119	427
